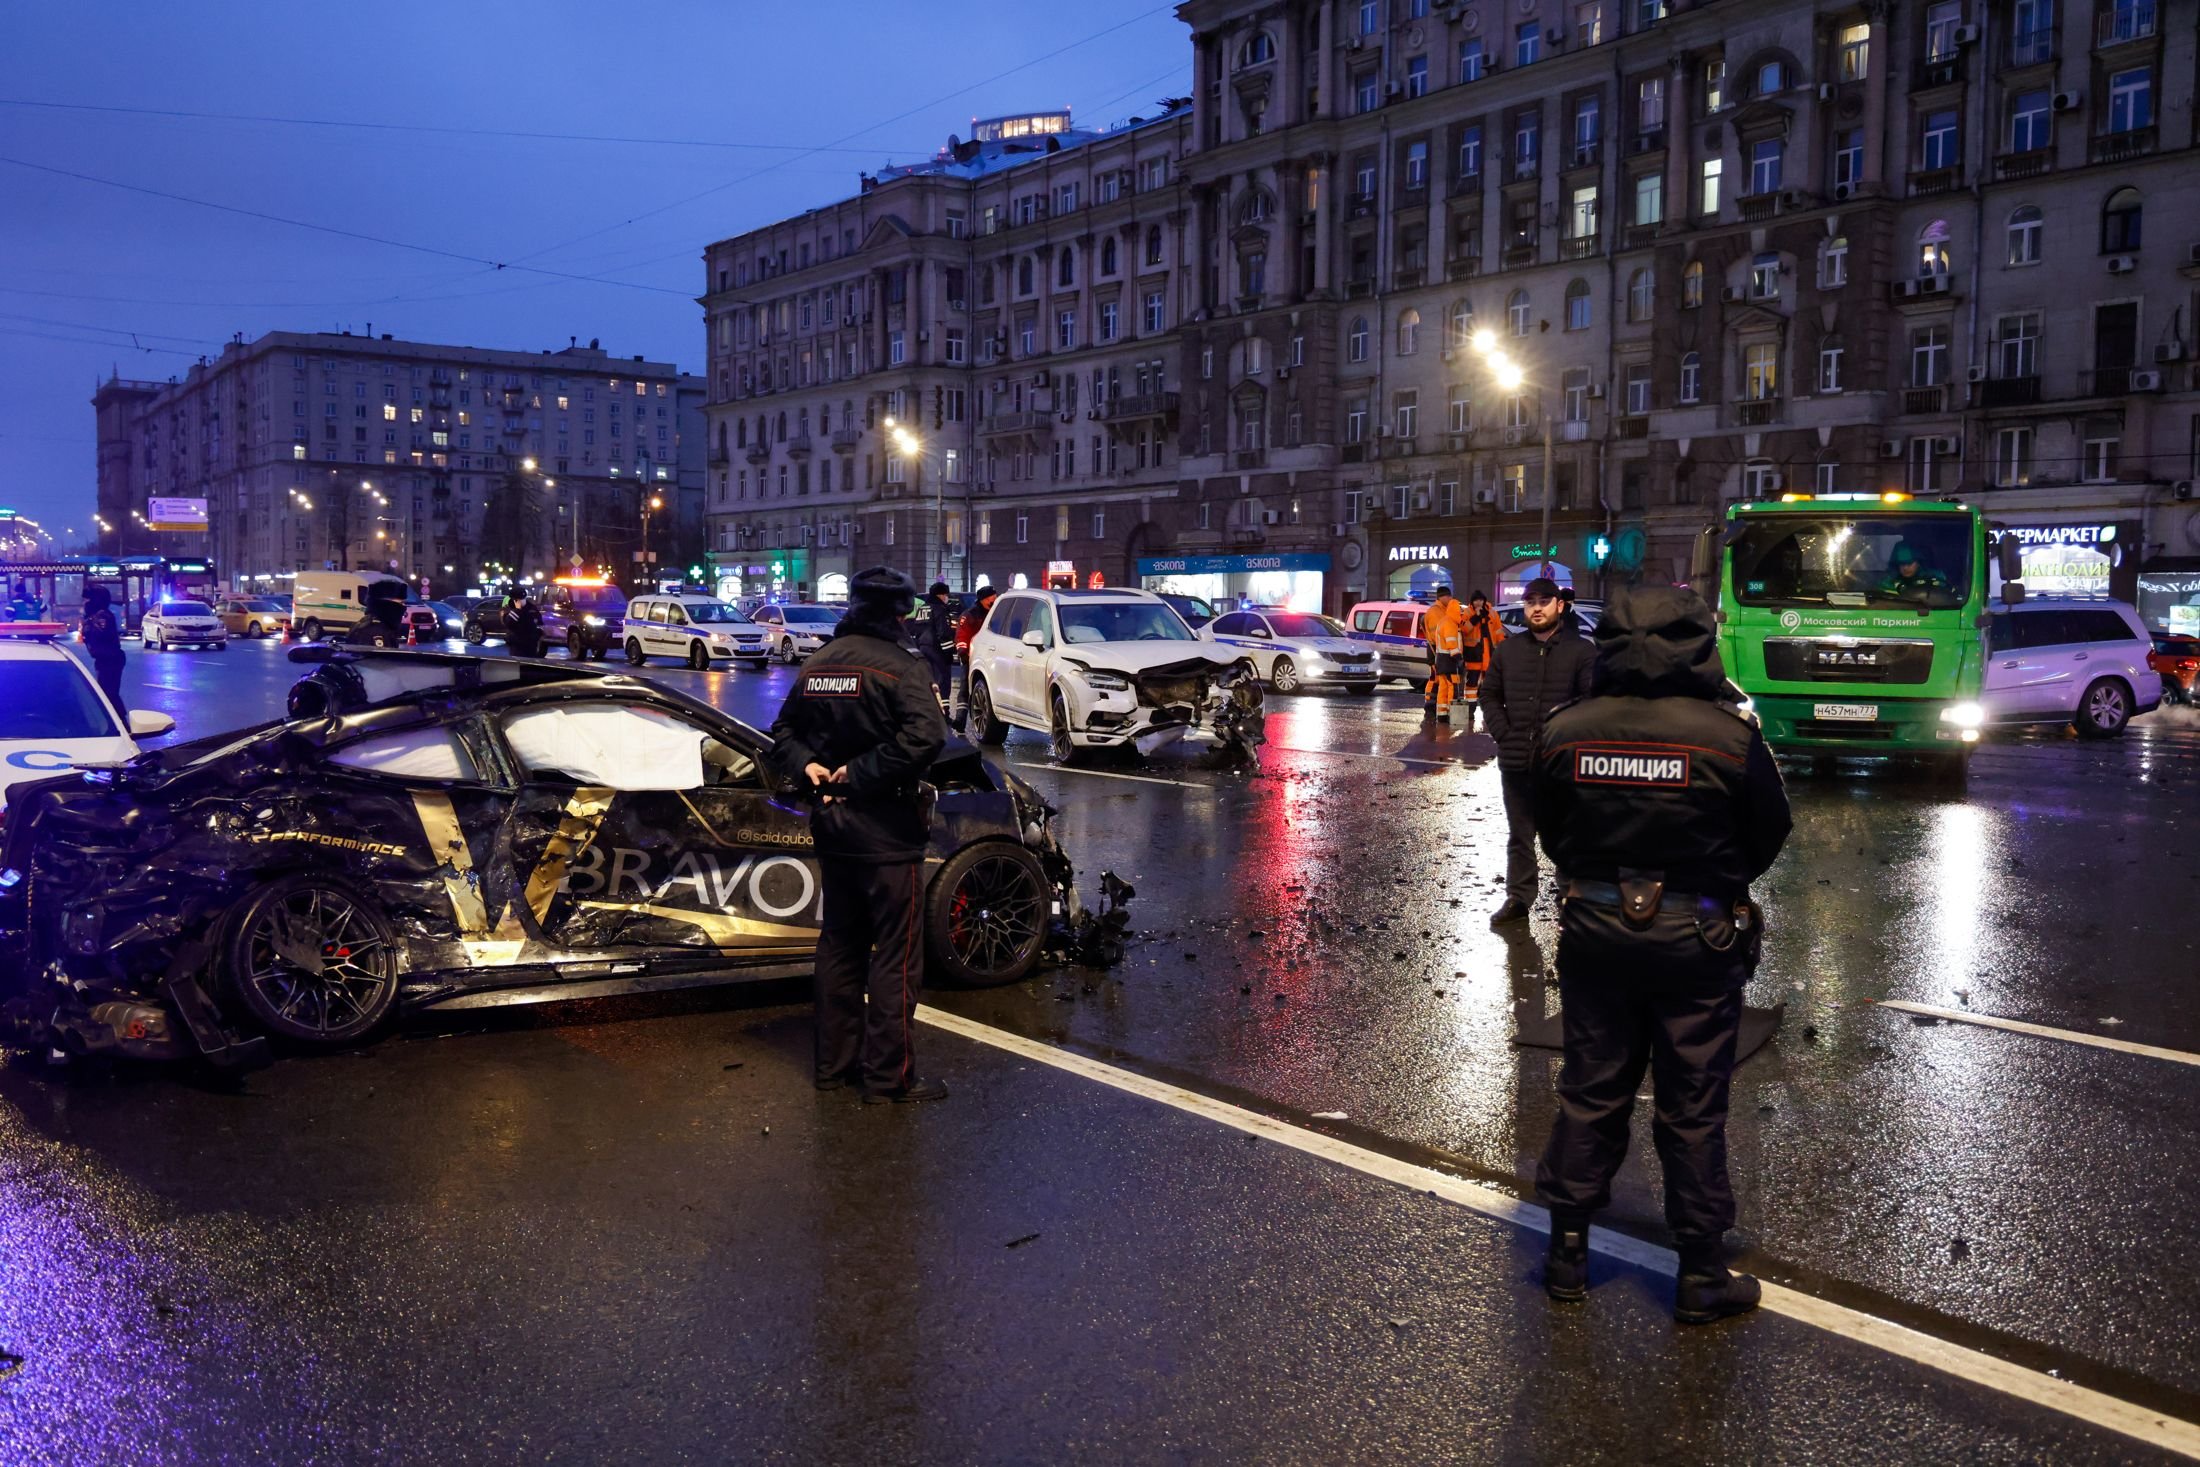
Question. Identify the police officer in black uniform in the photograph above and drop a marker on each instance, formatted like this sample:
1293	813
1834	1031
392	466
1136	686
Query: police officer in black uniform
1659	801
861	728
936	636
102	637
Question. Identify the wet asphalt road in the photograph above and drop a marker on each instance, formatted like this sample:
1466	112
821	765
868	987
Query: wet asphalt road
567	1235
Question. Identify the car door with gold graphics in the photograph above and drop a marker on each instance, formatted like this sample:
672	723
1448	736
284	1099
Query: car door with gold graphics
640	831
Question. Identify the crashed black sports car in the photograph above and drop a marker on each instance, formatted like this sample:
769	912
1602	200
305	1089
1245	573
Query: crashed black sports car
429	829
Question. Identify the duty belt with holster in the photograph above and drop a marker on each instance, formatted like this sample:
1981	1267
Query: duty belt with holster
1639	896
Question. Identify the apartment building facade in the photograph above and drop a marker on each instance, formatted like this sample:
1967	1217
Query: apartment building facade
335	450
1013	305
1734	250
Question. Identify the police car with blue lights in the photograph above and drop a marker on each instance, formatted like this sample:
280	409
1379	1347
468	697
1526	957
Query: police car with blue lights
698	630
53	717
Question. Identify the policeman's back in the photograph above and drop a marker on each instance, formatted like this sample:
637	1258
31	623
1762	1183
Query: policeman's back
1658	767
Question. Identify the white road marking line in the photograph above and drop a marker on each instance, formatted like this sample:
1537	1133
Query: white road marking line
2093	1407
1183	784
1356	754
2041	1031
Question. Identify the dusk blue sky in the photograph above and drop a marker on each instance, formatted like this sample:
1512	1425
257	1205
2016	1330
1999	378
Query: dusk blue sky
87	270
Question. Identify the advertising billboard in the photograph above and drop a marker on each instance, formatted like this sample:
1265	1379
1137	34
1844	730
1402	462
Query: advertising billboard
176	514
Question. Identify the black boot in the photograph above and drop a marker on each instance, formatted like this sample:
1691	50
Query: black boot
1428	711
1566	1265
1513	910
1705	1291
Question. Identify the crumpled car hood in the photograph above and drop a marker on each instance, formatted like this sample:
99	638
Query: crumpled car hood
1133	658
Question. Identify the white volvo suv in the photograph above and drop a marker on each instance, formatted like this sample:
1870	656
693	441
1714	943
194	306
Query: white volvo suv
1103	669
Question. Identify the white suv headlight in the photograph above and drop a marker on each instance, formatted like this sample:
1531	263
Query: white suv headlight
1098	681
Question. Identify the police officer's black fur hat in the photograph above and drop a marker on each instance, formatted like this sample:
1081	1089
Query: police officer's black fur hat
883	587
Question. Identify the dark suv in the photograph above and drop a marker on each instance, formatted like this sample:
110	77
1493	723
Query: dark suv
584	615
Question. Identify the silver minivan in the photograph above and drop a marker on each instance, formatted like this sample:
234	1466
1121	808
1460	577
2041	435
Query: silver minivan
698	630
2072	661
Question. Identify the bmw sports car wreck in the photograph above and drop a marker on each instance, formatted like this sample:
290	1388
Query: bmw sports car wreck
438	830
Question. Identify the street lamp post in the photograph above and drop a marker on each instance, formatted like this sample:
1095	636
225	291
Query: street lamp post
1510	375
911	448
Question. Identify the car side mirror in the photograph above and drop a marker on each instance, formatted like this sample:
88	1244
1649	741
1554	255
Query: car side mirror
2012	593
145	723
1703	561
2011	558
1036	638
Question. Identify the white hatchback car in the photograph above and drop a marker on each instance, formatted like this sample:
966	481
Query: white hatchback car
1100	669
699	630
183	624
53	717
2082	663
795	629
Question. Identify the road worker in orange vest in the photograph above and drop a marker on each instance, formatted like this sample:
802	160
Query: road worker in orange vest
1444	629
1483	633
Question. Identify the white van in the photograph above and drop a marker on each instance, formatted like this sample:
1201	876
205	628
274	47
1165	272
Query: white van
1392	629
699	630
326	602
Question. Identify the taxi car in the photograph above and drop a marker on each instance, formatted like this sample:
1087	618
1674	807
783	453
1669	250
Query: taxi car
53	716
698	630
436	829
253	616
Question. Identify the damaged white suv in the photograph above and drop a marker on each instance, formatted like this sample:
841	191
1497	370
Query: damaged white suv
1101	669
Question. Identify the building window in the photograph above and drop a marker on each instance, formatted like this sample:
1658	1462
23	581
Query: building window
1833	263
1588	126
1938	142
1111	321
1765	157
1829	366
1691	384
1574	389
1856	53
1848	160
2017	344
1760	479
1155	312
1409	332
1470	151
2098	457
1713	168
2027	226
1692	285
1927	467
1642	290
1714	85
1460	409
1527	44
1512	488
1581	219
2031	122
1417	164
1941	20
1417	76
2121	218
2032	32
1406	414
1355	342
2131	99
1760	371
2013	457
1355	420
1650	198
1638	390
1771	79
1929	356
1577	306
1764	276
1516	313
1366	93
1470	60
1650	104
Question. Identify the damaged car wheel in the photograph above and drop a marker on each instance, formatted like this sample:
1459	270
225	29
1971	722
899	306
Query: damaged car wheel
1060	743
311	962
986	920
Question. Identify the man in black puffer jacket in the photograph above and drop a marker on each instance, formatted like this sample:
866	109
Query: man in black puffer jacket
1529	677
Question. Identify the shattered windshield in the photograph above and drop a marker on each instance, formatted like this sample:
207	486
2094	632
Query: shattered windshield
1121	621
1853	560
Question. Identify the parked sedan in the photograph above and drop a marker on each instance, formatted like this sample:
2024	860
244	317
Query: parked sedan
793	630
183	624
2177	660
438	829
255	617
1295	651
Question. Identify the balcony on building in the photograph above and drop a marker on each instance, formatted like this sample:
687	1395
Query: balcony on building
1244	459
1577	246
2107	381
2122	24
759	452
1916	288
799	446
1634	425
2032	47
1645	142
2003	392
1464	265
1934	181
1932	399
1756	412
1944	70
2116	147
1001	425
2024	165
720	454
1519	251
1248	535
1134	406
1361	206
847	440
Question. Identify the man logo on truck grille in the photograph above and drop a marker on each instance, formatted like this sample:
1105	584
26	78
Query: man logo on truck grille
831	685
1651	768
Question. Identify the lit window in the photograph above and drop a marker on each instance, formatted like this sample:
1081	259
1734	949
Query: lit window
1855	52
2026	228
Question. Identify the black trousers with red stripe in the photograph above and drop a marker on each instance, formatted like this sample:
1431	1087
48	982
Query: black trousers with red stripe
871	948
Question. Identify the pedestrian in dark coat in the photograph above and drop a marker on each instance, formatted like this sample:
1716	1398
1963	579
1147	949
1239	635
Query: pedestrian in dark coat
1661	803
1529	676
522	625
102	636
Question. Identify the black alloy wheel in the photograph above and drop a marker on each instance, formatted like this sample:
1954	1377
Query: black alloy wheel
986	729
473	635
986	919
698	657
2105	709
634	654
312	962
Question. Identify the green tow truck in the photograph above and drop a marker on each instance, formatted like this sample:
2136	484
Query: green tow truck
1856	623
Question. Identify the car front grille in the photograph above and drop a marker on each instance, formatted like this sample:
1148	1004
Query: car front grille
1837	728
1808	659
